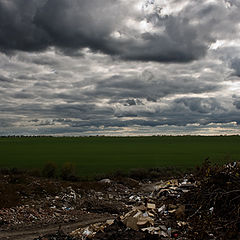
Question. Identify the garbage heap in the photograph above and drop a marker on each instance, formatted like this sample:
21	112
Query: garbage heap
157	215
203	205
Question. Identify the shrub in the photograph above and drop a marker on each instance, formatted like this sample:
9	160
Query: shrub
68	171
35	172
49	170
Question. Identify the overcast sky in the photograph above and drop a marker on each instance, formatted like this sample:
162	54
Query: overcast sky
119	67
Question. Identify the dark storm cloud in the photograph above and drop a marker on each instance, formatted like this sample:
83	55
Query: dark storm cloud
118	87
17	28
175	115
202	111
74	24
235	65
5	79
133	102
23	95
201	105
83	111
60	70
84	117
6	122
79	111
181	112
97	101
237	104
236	101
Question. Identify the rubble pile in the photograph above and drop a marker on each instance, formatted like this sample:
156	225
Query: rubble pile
45	209
204	205
201	205
118	231
91	230
154	214
42	202
27	202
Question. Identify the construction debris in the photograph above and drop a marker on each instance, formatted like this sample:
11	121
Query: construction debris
202	205
90	231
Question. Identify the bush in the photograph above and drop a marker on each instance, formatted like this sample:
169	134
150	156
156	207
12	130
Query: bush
35	172
49	170
68	172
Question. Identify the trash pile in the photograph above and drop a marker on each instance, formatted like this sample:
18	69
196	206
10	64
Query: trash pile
46	209
118	231
201	205
205	205
35	202
155	215
27	202
91	230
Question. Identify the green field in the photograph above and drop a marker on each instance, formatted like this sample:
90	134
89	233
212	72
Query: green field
97	155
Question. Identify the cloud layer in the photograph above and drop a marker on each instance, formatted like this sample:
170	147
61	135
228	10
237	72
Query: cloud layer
103	67
109	26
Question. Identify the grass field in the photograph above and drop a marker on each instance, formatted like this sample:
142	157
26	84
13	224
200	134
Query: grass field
97	155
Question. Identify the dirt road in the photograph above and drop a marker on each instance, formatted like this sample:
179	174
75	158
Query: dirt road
38	231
